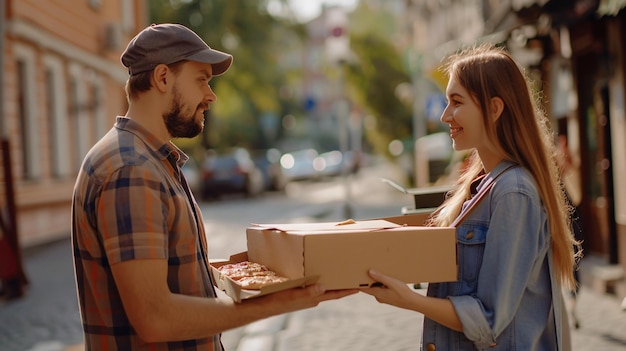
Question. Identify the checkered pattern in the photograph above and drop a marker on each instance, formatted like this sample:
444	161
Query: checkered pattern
131	202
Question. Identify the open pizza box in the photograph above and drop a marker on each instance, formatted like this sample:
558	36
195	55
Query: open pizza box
338	255
238	294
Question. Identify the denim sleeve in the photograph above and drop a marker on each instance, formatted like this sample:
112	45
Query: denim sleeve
516	241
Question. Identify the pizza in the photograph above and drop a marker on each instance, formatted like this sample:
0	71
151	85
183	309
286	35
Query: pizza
259	281
250	275
243	269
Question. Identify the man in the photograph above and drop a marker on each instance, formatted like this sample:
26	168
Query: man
139	244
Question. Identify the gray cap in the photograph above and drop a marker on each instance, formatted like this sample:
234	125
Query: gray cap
169	43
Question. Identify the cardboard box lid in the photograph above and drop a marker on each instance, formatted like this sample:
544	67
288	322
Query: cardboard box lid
411	253
423	197
413	219
327	227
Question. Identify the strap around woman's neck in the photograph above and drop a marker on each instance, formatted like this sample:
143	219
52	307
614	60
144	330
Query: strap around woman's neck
484	190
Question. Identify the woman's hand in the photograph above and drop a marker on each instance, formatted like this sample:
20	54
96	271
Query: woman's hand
397	293
392	292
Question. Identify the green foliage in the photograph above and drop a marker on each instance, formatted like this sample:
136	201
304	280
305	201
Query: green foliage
259	82
373	81
251	86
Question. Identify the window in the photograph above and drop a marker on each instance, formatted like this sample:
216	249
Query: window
27	112
95	4
97	97
128	15
56	112
79	115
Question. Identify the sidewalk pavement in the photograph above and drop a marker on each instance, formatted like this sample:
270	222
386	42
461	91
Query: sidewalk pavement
47	318
358	322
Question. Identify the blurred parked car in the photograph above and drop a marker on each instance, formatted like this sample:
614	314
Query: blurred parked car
335	163
329	164
191	171
230	172
299	165
268	162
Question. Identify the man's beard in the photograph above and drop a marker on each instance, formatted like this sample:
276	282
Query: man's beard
178	125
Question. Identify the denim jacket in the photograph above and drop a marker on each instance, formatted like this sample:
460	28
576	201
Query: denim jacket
506	295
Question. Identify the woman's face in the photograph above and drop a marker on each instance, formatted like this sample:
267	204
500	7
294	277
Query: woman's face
464	117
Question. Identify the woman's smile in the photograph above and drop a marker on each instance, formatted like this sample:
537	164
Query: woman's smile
455	131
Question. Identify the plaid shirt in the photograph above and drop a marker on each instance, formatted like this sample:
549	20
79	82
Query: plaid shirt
130	202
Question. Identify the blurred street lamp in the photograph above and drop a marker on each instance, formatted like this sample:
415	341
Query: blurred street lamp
337	47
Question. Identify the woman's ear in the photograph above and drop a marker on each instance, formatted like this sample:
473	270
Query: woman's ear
495	108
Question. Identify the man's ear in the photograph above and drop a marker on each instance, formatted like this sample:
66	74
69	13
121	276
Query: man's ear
495	108
161	76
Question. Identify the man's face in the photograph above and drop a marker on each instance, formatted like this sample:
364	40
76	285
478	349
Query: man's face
191	96
181	120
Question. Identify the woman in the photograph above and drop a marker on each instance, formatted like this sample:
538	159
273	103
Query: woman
515	249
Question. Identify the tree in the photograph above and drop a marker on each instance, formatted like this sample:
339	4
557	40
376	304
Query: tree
258	83
375	76
252	86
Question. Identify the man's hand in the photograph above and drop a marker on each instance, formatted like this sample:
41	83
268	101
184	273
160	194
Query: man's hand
301	298
158	315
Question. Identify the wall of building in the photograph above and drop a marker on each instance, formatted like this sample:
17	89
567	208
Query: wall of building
592	34
63	87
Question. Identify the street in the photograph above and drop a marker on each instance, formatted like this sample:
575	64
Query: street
226	220
47	318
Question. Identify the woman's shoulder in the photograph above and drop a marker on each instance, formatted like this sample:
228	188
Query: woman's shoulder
515	179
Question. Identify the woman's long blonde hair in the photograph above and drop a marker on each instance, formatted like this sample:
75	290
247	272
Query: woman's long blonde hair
522	134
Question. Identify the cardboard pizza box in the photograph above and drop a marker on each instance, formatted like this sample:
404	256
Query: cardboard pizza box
413	219
237	293
429	197
341	253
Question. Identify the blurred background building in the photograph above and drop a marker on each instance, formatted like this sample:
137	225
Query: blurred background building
574	51
62	88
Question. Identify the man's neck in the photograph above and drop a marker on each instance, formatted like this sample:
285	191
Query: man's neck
149	115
